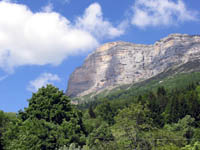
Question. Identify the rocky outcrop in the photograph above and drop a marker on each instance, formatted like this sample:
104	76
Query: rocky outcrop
119	63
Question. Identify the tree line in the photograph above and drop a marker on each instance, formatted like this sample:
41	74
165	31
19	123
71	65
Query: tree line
155	120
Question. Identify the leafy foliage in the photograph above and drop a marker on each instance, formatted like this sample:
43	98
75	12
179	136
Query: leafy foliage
133	122
48	123
161	118
100	137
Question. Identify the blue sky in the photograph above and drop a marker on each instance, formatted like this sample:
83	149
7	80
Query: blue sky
44	41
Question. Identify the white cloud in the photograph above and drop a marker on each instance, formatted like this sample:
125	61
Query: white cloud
161	12
66	1
28	38
42	80
92	21
3	77
48	8
9	0
46	37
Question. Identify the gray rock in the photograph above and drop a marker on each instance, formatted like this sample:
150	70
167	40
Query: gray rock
119	63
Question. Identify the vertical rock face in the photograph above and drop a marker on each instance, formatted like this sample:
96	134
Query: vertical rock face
118	63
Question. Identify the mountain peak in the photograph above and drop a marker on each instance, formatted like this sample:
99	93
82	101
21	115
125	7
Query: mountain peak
107	46
119	63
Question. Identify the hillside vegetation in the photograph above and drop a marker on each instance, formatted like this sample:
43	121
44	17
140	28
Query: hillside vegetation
159	114
127	92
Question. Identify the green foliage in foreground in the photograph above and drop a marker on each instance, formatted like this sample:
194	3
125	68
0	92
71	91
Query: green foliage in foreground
49	122
155	120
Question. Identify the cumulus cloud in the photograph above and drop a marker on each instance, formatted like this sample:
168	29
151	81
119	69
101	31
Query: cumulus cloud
161	12
46	37
92	21
28	38
48	7
42	80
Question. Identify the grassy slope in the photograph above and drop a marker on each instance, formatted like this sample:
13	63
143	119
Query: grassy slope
168	81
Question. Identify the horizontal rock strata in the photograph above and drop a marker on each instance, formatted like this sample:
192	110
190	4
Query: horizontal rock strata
119	63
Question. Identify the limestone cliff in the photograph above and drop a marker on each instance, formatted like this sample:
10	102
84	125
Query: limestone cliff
119	63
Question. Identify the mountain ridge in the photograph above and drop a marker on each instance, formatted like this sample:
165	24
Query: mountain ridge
118	63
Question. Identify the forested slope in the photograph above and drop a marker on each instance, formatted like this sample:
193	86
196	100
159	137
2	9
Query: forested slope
159	118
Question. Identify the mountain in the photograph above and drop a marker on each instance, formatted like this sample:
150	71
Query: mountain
121	63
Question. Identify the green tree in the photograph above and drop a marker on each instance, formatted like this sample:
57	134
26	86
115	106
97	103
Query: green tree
106	112
196	146
34	134
155	104
161	91
3	121
91	112
49	122
183	127
133	123
51	105
193	104
100	137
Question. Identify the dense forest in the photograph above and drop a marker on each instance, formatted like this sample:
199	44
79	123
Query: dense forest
160	119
